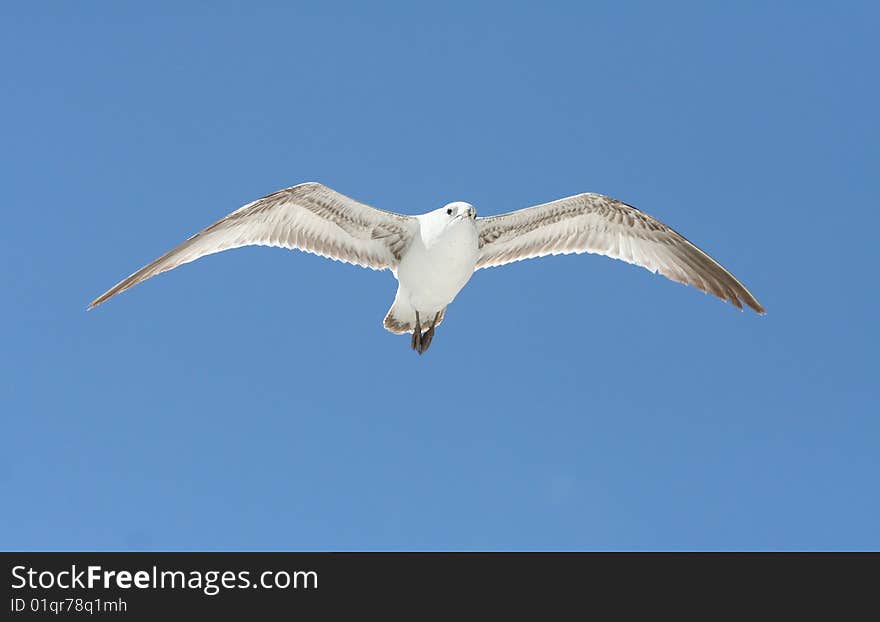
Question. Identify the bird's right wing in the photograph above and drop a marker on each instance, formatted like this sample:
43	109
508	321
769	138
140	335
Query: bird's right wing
309	217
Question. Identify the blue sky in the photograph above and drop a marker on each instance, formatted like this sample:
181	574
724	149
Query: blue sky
253	401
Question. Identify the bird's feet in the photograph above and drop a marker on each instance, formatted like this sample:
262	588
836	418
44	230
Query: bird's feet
417	335
421	341
426	339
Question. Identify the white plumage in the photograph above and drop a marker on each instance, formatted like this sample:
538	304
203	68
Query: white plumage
433	255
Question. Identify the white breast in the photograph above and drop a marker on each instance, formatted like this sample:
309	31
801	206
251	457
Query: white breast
437	266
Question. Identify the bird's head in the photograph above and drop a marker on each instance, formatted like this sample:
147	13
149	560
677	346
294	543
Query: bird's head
457	211
451	216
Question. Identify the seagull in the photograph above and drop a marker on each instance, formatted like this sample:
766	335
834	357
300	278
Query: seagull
433	255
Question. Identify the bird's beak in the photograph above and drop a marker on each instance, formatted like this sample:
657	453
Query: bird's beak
471	213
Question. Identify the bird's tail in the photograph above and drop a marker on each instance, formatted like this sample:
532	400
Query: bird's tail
401	317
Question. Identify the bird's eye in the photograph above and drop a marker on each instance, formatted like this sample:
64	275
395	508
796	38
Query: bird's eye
449	211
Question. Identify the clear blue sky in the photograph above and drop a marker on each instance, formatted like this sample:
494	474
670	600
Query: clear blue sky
252	400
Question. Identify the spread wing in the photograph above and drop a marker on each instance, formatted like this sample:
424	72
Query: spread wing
593	223
309	217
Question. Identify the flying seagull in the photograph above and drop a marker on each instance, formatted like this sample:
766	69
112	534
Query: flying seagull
433	255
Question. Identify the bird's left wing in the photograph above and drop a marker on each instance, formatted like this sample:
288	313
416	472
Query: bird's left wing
310	217
593	223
